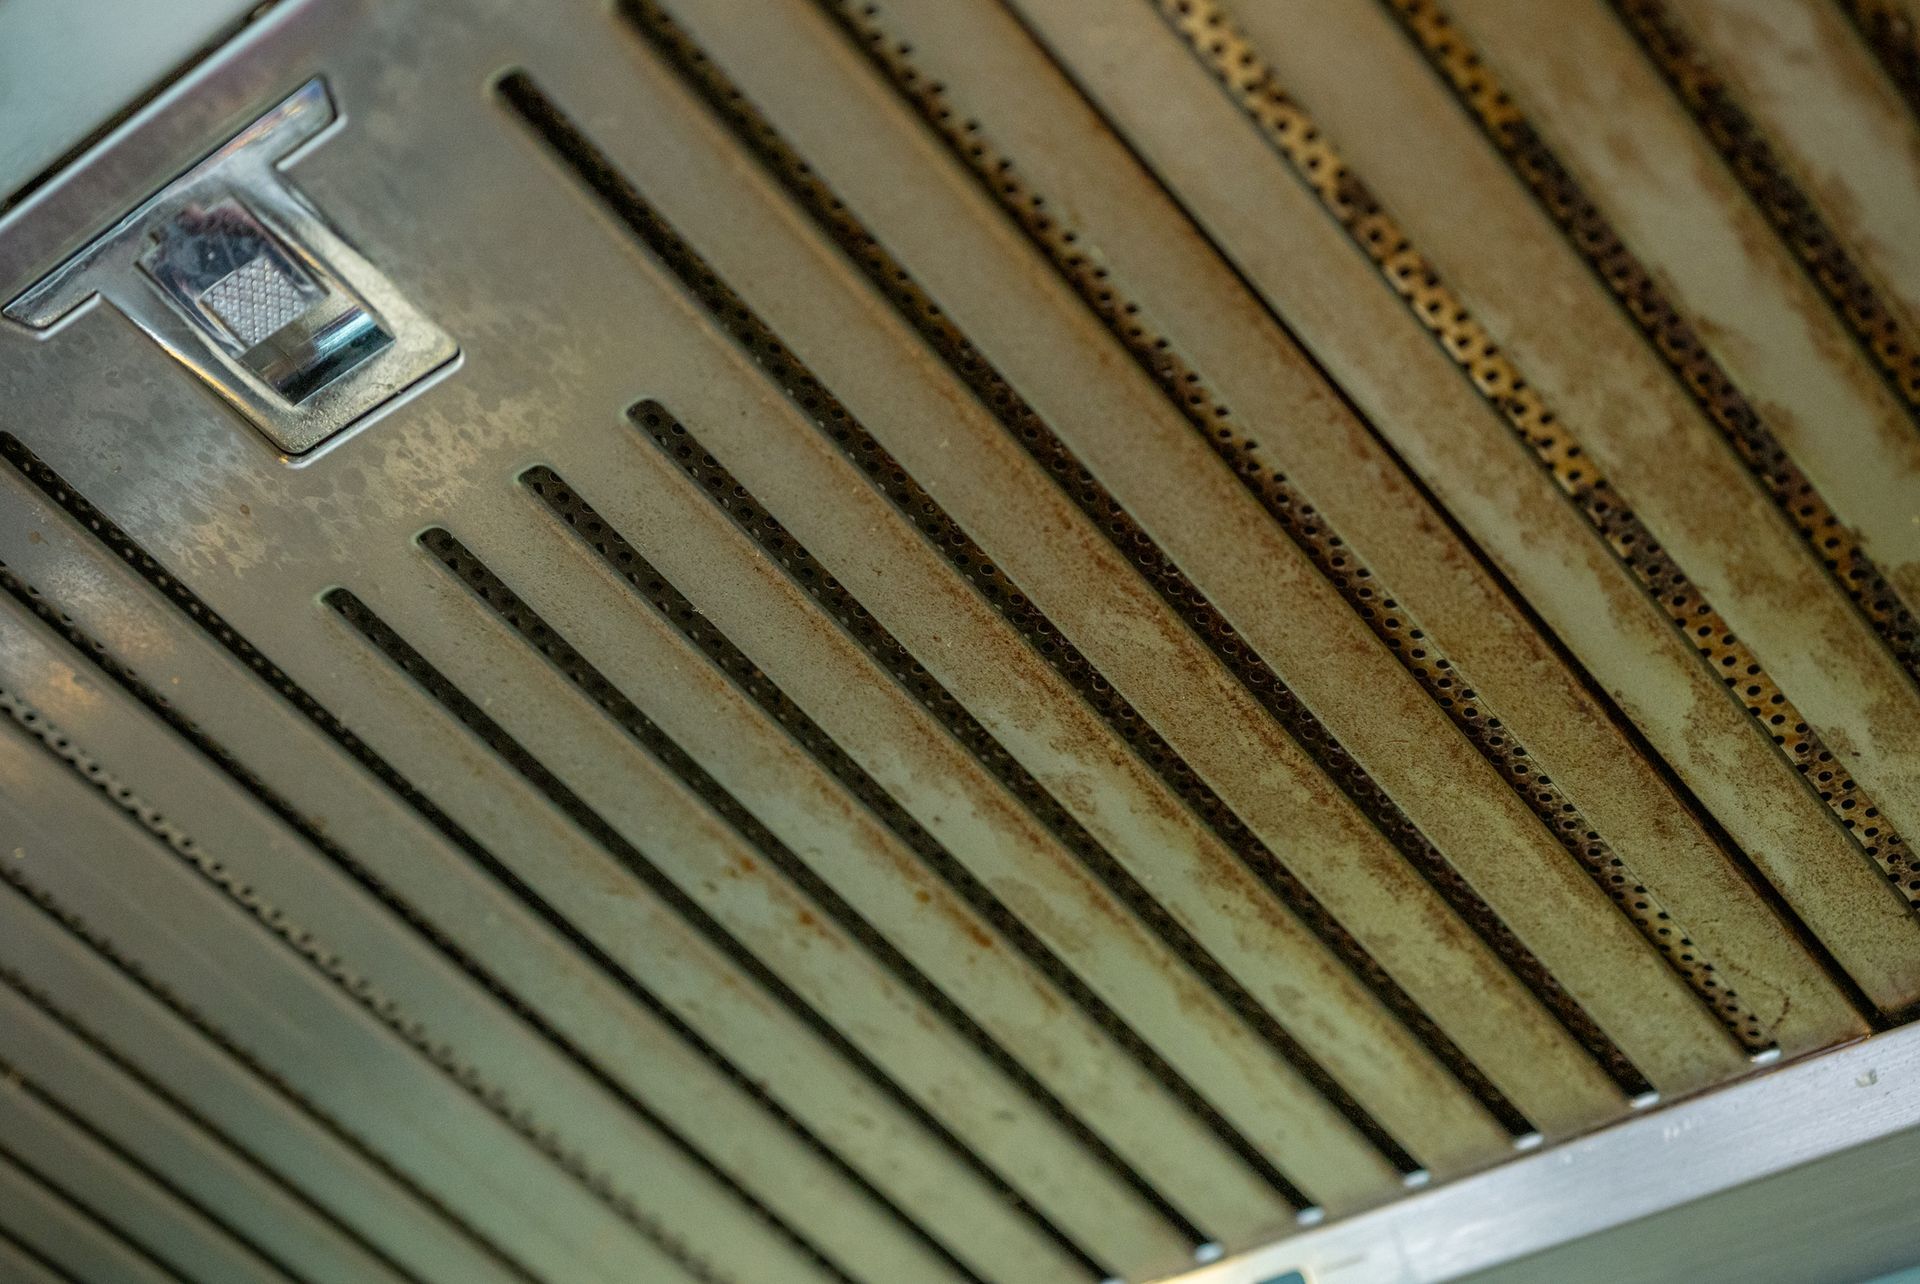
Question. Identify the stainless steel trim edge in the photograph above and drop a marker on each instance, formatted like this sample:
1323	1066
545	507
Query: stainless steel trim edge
1827	1107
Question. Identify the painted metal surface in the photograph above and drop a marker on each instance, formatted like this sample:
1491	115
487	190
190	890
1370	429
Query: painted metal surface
1031	641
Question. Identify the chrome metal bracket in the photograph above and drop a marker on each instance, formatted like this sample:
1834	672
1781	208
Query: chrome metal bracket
231	270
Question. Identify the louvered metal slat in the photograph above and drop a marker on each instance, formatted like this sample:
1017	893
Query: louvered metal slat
66	1154
57	1233
1758	312
251	1201
320	1038
624	1033
1379	529
1000	660
1499	256
64	977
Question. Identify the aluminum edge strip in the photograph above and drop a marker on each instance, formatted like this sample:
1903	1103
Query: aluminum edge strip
1811	1110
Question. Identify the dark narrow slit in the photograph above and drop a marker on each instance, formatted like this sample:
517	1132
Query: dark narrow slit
1294	140
334	969
87	1212
103	659
485	860
463	709
132	971
514	611
1891	33
259	1169
823	409
1768	181
1190	394
672	606
1197	227
1839	551
41	1261
573	1163
53	1105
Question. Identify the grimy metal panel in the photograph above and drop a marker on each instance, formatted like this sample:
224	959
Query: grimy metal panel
1030	640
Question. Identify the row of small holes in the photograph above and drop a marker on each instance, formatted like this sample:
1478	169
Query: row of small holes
330	965
120	543
1293	134
1078	484
161	993
130	681
1894	37
694	626
1083	267
170	1100
1768	181
36	471
462	707
1792	491
578	670
210	868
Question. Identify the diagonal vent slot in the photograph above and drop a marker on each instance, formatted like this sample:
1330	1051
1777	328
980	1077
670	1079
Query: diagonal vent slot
537	632
329	963
354	868
154	1095
466	711
732	313
674	608
1082	266
1291	133
1768	180
73	924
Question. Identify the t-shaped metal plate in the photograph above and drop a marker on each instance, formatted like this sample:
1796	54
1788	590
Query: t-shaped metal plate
233	272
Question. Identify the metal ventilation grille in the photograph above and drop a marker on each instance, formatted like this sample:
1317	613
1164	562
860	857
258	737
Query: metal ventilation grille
1033	641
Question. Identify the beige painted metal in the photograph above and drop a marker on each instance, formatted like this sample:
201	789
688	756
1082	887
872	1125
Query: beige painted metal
500	990
1274	232
729	879
219	1086
255	854
134	1120
1088	590
107	603
1048	345
1505	260
1823	103
89	1173
316	1043
1307	432
905	389
1677	207
63	1234
955	653
819	667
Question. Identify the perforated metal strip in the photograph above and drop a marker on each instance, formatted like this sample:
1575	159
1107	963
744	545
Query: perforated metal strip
168	1100
77	926
1249	82
130	681
329	963
517	614
101	1221
1770	183
1025	427
117	541
673	607
1082	266
971	561
1836	546
43	1096
461	706
1893	35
